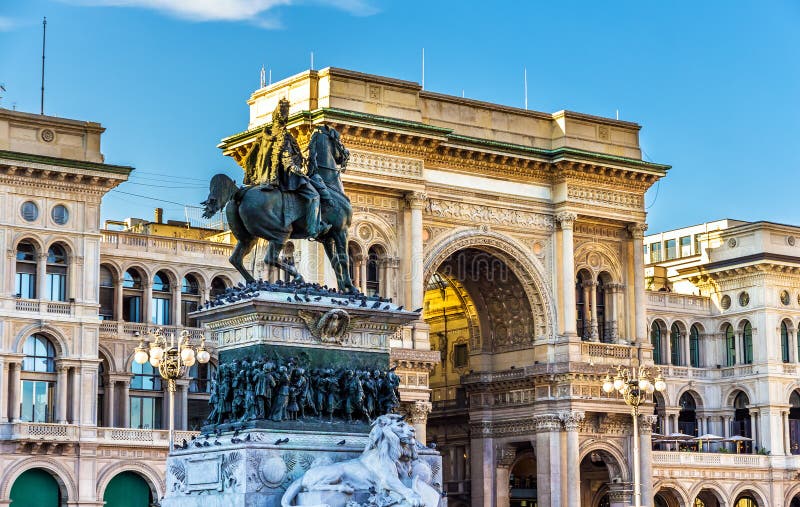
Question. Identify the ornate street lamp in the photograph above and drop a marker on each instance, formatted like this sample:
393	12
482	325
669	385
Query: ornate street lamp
634	384
172	361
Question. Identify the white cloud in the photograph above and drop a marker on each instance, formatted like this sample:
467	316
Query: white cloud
225	10
6	24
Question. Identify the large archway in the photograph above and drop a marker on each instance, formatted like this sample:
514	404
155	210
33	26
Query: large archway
36	488
128	489
522	482
601	480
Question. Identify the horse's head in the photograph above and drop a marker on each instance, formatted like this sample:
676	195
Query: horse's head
329	147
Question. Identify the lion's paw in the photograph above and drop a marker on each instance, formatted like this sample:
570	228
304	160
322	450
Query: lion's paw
414	500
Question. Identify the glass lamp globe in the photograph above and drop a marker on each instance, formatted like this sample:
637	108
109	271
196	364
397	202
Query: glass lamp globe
618	383
187	354
650	388
140	356
156	351
203	356
608	386
189	362
660	384
155	362
644	383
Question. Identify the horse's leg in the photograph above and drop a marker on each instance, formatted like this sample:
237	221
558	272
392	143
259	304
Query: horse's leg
343	258
244	242
330	252
273	258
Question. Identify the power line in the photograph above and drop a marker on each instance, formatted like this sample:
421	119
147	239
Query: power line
154	198
164	186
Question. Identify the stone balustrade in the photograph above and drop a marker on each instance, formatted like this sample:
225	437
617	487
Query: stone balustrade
129	329
184	248
44	306
70	433
675	301
709	459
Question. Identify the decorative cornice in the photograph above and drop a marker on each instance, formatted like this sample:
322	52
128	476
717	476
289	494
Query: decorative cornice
547	422
65	162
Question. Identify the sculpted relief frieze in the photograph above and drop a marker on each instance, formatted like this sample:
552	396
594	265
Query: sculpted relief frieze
462	211
378	163
603	197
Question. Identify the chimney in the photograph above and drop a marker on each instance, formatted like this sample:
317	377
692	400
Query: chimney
159	215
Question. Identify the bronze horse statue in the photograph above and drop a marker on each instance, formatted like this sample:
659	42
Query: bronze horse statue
266	212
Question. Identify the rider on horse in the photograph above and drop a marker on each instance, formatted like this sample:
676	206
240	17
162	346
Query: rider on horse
276	161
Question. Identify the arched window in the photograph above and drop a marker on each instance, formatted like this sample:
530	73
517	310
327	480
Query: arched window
655	341
146	401
26	270
730	346
38	379
56	273
675	345
218	286
747	343
132	295
374	259
794	423
161	301
784	342
190	299
106	294
687	417
741	420
694	346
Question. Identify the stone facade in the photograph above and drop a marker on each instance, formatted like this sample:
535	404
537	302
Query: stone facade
723	313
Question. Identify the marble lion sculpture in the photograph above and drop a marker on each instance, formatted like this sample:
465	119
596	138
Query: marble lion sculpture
390	452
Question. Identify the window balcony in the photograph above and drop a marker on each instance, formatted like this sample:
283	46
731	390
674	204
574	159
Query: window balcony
45	306
701	460
118	328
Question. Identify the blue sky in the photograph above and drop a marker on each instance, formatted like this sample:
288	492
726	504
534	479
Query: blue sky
715	85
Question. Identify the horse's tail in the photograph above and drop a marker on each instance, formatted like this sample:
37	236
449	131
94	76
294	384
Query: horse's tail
220	191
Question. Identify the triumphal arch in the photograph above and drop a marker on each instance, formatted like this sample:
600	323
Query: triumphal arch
518	235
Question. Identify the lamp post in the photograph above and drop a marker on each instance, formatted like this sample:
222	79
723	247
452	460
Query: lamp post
172	360
634	384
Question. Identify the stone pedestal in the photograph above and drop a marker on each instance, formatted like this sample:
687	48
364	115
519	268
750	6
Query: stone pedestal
250	463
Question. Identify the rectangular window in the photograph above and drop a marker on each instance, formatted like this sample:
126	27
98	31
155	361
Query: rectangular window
188	307
145	412
655	252
670	249
460	355
26	285
56	286
132	309
686	246
37	401
730	350
160	312
106	303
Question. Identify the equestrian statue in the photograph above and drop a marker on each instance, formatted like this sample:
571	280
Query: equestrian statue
287	196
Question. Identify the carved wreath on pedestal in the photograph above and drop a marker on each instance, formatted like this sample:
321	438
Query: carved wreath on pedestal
329	327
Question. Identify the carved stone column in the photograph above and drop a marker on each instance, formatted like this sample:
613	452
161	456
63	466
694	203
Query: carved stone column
15	391
110	403
646	423
566	220
76	395
572	421
61	393
504	455
41	276
416	203
118	305
4	386
548	459
126	404
418	412
637	235
147	310
594	336
482	473
177	314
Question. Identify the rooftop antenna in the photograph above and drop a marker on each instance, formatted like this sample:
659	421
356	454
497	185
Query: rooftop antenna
618	114
423	68
262	77
312	60
525	85
44	38
270	76
462	93
2	89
